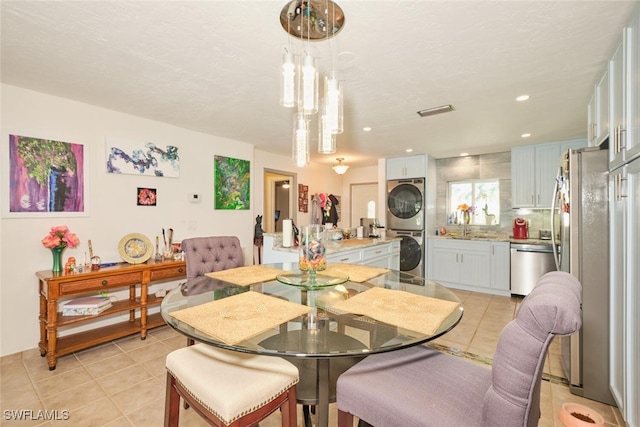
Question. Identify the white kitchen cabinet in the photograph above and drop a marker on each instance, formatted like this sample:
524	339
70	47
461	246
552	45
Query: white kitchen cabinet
602	109
632	91
632	288
383	256
547	163
470	264
523	172
533	172
591	119
598	112
617	217
624	298
345	257
407	167
617	127
501	266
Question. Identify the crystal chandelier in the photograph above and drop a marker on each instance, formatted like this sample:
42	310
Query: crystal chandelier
311	20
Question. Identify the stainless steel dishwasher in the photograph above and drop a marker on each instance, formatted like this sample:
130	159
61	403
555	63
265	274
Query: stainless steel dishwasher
529	261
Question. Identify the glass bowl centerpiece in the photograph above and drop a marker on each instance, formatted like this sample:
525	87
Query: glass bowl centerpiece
312	250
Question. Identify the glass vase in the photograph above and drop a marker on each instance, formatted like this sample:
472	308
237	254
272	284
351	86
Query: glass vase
57	259
312	251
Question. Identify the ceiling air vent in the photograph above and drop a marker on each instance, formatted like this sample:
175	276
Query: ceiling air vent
436	110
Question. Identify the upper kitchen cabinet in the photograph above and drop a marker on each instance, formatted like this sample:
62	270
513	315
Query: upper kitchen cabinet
592	119
407	167
617	128
602	109
632	51
533	172
598	112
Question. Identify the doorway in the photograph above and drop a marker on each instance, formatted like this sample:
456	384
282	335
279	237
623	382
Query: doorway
279	197
364	202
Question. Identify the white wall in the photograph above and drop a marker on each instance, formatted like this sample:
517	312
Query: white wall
111	202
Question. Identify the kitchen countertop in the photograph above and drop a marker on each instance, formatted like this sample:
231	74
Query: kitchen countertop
491	237
333	246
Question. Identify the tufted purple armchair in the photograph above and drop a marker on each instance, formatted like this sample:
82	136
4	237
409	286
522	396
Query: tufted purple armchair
419	386
207	254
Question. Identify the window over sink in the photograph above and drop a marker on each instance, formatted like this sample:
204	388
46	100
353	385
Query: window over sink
479	197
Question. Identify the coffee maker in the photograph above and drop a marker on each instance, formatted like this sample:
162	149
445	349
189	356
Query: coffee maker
520	228
371	226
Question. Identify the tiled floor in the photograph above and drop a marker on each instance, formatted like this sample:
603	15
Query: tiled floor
122	383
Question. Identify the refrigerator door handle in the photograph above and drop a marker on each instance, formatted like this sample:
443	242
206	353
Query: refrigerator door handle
554	246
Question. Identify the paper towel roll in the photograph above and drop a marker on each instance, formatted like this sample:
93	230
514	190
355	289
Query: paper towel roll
360	232
287	233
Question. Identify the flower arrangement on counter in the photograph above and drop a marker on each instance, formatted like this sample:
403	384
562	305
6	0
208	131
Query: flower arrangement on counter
60	237
465	213
466	208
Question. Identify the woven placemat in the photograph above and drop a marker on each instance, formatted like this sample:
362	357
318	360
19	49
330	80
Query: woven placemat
355	272
247	275
398	308
240	317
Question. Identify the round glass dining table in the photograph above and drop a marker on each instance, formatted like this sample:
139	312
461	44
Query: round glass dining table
323	342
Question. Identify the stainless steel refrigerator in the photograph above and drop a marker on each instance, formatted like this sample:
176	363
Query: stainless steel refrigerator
580	220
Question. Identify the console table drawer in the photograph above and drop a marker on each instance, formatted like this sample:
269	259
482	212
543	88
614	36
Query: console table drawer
101	283
169	272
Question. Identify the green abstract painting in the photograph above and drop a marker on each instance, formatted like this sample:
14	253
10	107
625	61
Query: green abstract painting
231	183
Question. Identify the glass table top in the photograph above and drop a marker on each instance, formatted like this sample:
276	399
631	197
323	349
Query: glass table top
322	332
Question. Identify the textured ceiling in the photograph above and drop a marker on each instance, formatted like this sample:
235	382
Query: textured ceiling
213	66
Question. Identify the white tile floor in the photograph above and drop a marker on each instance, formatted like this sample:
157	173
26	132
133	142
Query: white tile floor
122	383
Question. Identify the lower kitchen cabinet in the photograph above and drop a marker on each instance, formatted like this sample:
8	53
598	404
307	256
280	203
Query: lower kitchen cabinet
383	256
501	266
382	253
480	266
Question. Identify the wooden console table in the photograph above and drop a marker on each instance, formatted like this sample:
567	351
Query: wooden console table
56	288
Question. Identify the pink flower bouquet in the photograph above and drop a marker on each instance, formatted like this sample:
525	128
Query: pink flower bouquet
60	237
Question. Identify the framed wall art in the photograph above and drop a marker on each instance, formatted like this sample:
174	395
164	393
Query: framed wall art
147	158
46	178
231	183
303	198
147	196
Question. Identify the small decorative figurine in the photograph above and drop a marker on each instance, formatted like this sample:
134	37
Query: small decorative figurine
258	227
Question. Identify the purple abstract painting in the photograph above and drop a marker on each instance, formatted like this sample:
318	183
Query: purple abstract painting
45	175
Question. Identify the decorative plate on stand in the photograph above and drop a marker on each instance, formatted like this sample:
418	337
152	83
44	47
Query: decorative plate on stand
135	248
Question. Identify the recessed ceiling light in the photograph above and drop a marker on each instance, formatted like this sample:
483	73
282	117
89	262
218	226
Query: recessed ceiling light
522	98
525	135
409	150
464	154
366	128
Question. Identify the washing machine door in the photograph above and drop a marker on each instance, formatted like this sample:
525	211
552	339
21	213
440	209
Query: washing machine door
410	253
405	201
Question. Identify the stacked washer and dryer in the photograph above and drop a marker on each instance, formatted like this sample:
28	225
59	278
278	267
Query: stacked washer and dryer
406	219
